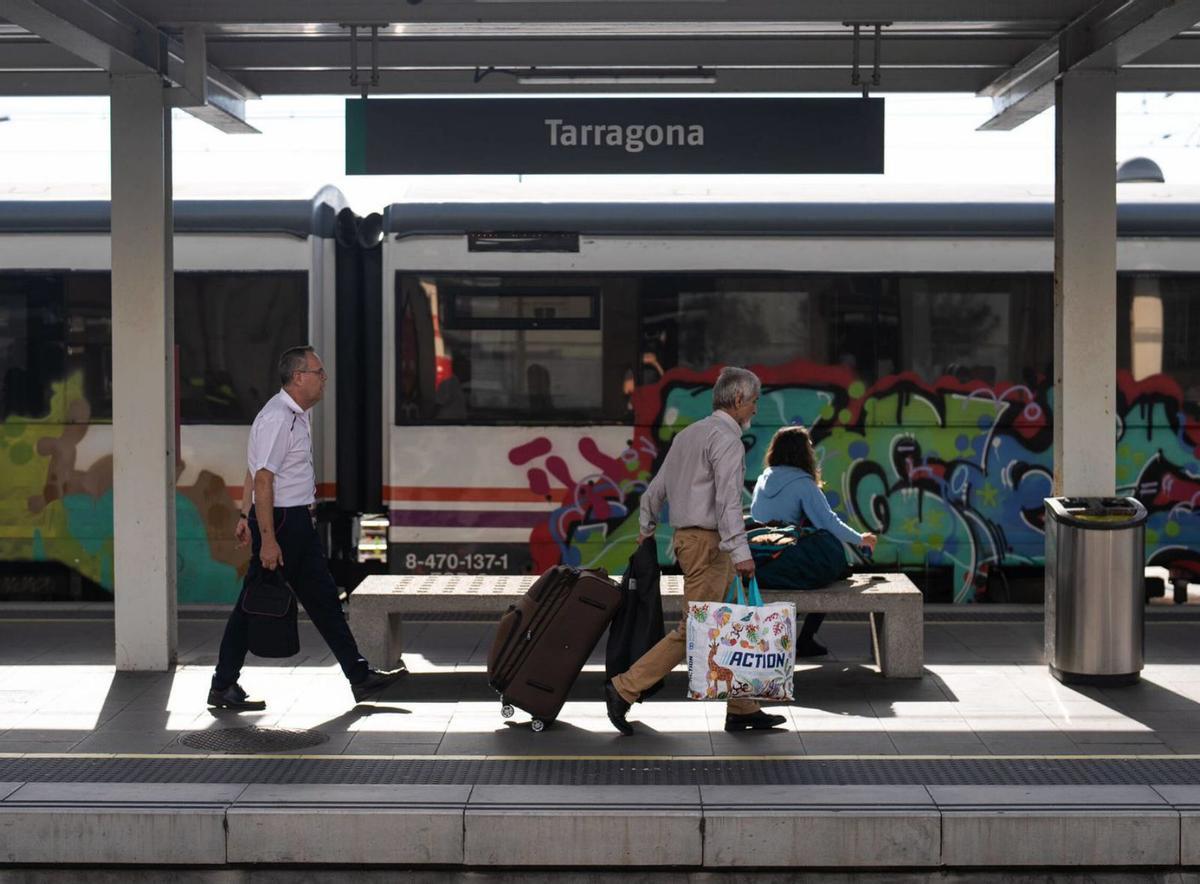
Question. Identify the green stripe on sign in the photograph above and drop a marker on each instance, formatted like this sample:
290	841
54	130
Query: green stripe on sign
356	136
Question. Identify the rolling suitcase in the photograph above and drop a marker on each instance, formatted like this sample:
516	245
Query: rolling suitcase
544	639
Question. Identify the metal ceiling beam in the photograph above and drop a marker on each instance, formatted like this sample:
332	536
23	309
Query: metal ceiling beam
119	44
54	83
206	92
37	55
653	30
249	54
95	82
441	65
232	55
242	54
1137	79
1111	34
462	82
1181	51
176	12
111	37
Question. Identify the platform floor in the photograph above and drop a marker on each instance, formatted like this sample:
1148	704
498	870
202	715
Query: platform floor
986	692
986	763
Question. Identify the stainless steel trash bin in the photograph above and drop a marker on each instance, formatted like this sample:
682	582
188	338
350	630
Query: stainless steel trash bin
1095	599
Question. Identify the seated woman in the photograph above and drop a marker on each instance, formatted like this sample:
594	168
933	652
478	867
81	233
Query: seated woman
789	492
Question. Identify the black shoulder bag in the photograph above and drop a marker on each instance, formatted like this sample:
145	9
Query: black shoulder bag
270	608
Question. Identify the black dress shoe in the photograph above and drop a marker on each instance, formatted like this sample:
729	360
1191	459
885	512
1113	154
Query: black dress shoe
753	721
810	647
233	697
376	682
617	707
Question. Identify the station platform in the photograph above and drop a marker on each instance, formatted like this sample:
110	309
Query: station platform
985	763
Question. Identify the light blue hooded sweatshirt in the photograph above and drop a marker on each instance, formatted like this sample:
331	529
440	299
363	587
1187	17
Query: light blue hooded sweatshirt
791	495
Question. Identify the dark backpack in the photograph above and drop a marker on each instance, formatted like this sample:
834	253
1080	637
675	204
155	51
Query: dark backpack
796	558
270	608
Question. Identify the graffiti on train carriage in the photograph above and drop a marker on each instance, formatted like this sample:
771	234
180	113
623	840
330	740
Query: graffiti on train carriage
950	474
56	507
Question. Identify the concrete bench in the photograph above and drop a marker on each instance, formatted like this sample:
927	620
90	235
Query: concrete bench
380	603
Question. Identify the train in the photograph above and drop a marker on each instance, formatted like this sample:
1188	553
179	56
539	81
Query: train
506	377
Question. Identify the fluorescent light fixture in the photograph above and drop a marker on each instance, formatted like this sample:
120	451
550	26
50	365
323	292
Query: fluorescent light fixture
616	77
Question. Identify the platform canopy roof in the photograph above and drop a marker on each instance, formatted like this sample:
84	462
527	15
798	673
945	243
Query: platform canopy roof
1011	50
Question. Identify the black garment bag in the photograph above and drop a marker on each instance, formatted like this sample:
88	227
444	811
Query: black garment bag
270	608
638	625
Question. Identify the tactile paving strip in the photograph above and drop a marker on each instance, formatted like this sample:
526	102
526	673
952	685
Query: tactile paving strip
615	772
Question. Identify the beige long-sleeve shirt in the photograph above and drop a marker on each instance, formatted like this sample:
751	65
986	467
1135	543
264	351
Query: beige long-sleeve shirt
702	480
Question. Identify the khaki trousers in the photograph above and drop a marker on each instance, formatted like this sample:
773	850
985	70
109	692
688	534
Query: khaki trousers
707	573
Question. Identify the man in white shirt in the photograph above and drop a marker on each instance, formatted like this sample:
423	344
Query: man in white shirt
701	480
279	457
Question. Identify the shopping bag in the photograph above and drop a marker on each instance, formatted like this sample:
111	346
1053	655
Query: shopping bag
741	648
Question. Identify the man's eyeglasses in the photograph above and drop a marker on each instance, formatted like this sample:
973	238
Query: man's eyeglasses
317	371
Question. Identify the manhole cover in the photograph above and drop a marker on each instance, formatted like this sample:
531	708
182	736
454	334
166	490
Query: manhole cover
252	740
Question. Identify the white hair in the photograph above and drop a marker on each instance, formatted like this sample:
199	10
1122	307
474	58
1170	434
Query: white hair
734	383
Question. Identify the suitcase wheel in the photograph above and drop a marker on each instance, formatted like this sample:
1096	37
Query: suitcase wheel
538	725
507	711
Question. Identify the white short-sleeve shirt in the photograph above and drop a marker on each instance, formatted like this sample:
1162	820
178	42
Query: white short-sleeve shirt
281	441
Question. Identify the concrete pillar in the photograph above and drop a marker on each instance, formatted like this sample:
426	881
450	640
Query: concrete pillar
143	308
1085	284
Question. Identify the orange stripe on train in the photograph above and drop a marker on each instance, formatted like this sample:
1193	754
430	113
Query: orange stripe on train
391	493
491	495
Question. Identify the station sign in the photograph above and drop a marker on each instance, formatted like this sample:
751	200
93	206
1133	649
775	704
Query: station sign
564	136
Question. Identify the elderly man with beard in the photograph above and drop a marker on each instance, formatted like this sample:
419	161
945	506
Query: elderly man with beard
701	479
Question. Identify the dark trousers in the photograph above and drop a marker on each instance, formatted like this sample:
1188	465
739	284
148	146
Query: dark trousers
811	624
305	568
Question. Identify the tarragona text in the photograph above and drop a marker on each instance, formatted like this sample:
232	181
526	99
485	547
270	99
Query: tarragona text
633	138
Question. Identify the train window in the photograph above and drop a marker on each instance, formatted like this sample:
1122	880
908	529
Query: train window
31	351
984	327
498	349
703	321
698	322
1159	328
55	337
230	329
980	327
506	307
989	328
862	320
88	338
